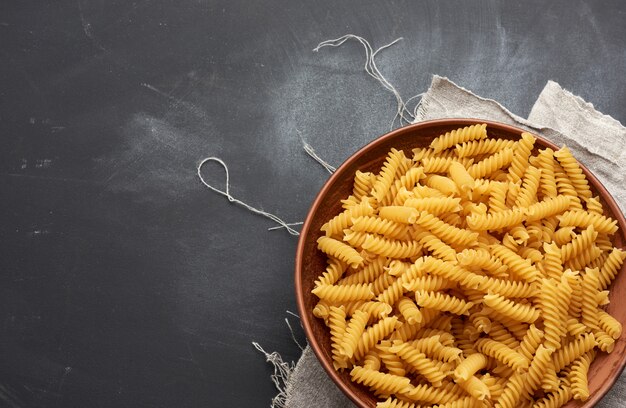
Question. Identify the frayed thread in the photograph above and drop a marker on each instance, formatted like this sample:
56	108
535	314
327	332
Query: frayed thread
282	369
280	378
402	112
311	152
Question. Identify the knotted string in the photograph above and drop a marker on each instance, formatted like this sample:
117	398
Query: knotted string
226	193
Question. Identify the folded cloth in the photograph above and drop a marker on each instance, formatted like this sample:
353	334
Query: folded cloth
597	140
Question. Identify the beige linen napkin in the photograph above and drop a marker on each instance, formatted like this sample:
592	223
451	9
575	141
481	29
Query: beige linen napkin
597	140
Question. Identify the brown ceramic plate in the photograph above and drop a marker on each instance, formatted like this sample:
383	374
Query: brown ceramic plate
310	262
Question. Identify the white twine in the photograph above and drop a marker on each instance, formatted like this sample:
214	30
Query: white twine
311	152
372	70
226	193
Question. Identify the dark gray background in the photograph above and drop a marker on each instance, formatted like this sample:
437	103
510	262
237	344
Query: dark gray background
124	283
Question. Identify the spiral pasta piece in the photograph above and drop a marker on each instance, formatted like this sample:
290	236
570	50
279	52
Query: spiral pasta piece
573	171
496	220
421	191
354	329
481	258
391	248
519	161
547	183
564	235
502	353
374	334
459	174
391	361
583	219
611	267
586	258
556	399
483	146
363	183
387	174
497	198
512	392
530	186
334	271
429	283
337	325
371	361
476	388
435	246
554	302
409	310
339	250
515	311
550	381
578	376
446	232
432	348
530	342
573	349
464	402
589	306
537	369
609	324
408	181
492	163
506	288
342	221
549	207
402	196
454	137
579	244
395	403
442	164
401	214
470	366
420	363
430	395
435	205
552	263
343	293
519	266
480	322
381	381
375	225
442	302
367	274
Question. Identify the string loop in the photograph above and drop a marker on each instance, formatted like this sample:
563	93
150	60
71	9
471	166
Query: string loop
226	193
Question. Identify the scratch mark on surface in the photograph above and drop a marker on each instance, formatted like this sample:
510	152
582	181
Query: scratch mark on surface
189	106
66	372
87	28
193	360
62	179
8	397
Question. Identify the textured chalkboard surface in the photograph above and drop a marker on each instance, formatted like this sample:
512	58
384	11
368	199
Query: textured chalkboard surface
124	282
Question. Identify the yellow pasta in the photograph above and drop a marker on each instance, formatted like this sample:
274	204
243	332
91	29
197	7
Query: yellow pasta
339	250
473	275
380	381
455	137
520	157
482	146
492	163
